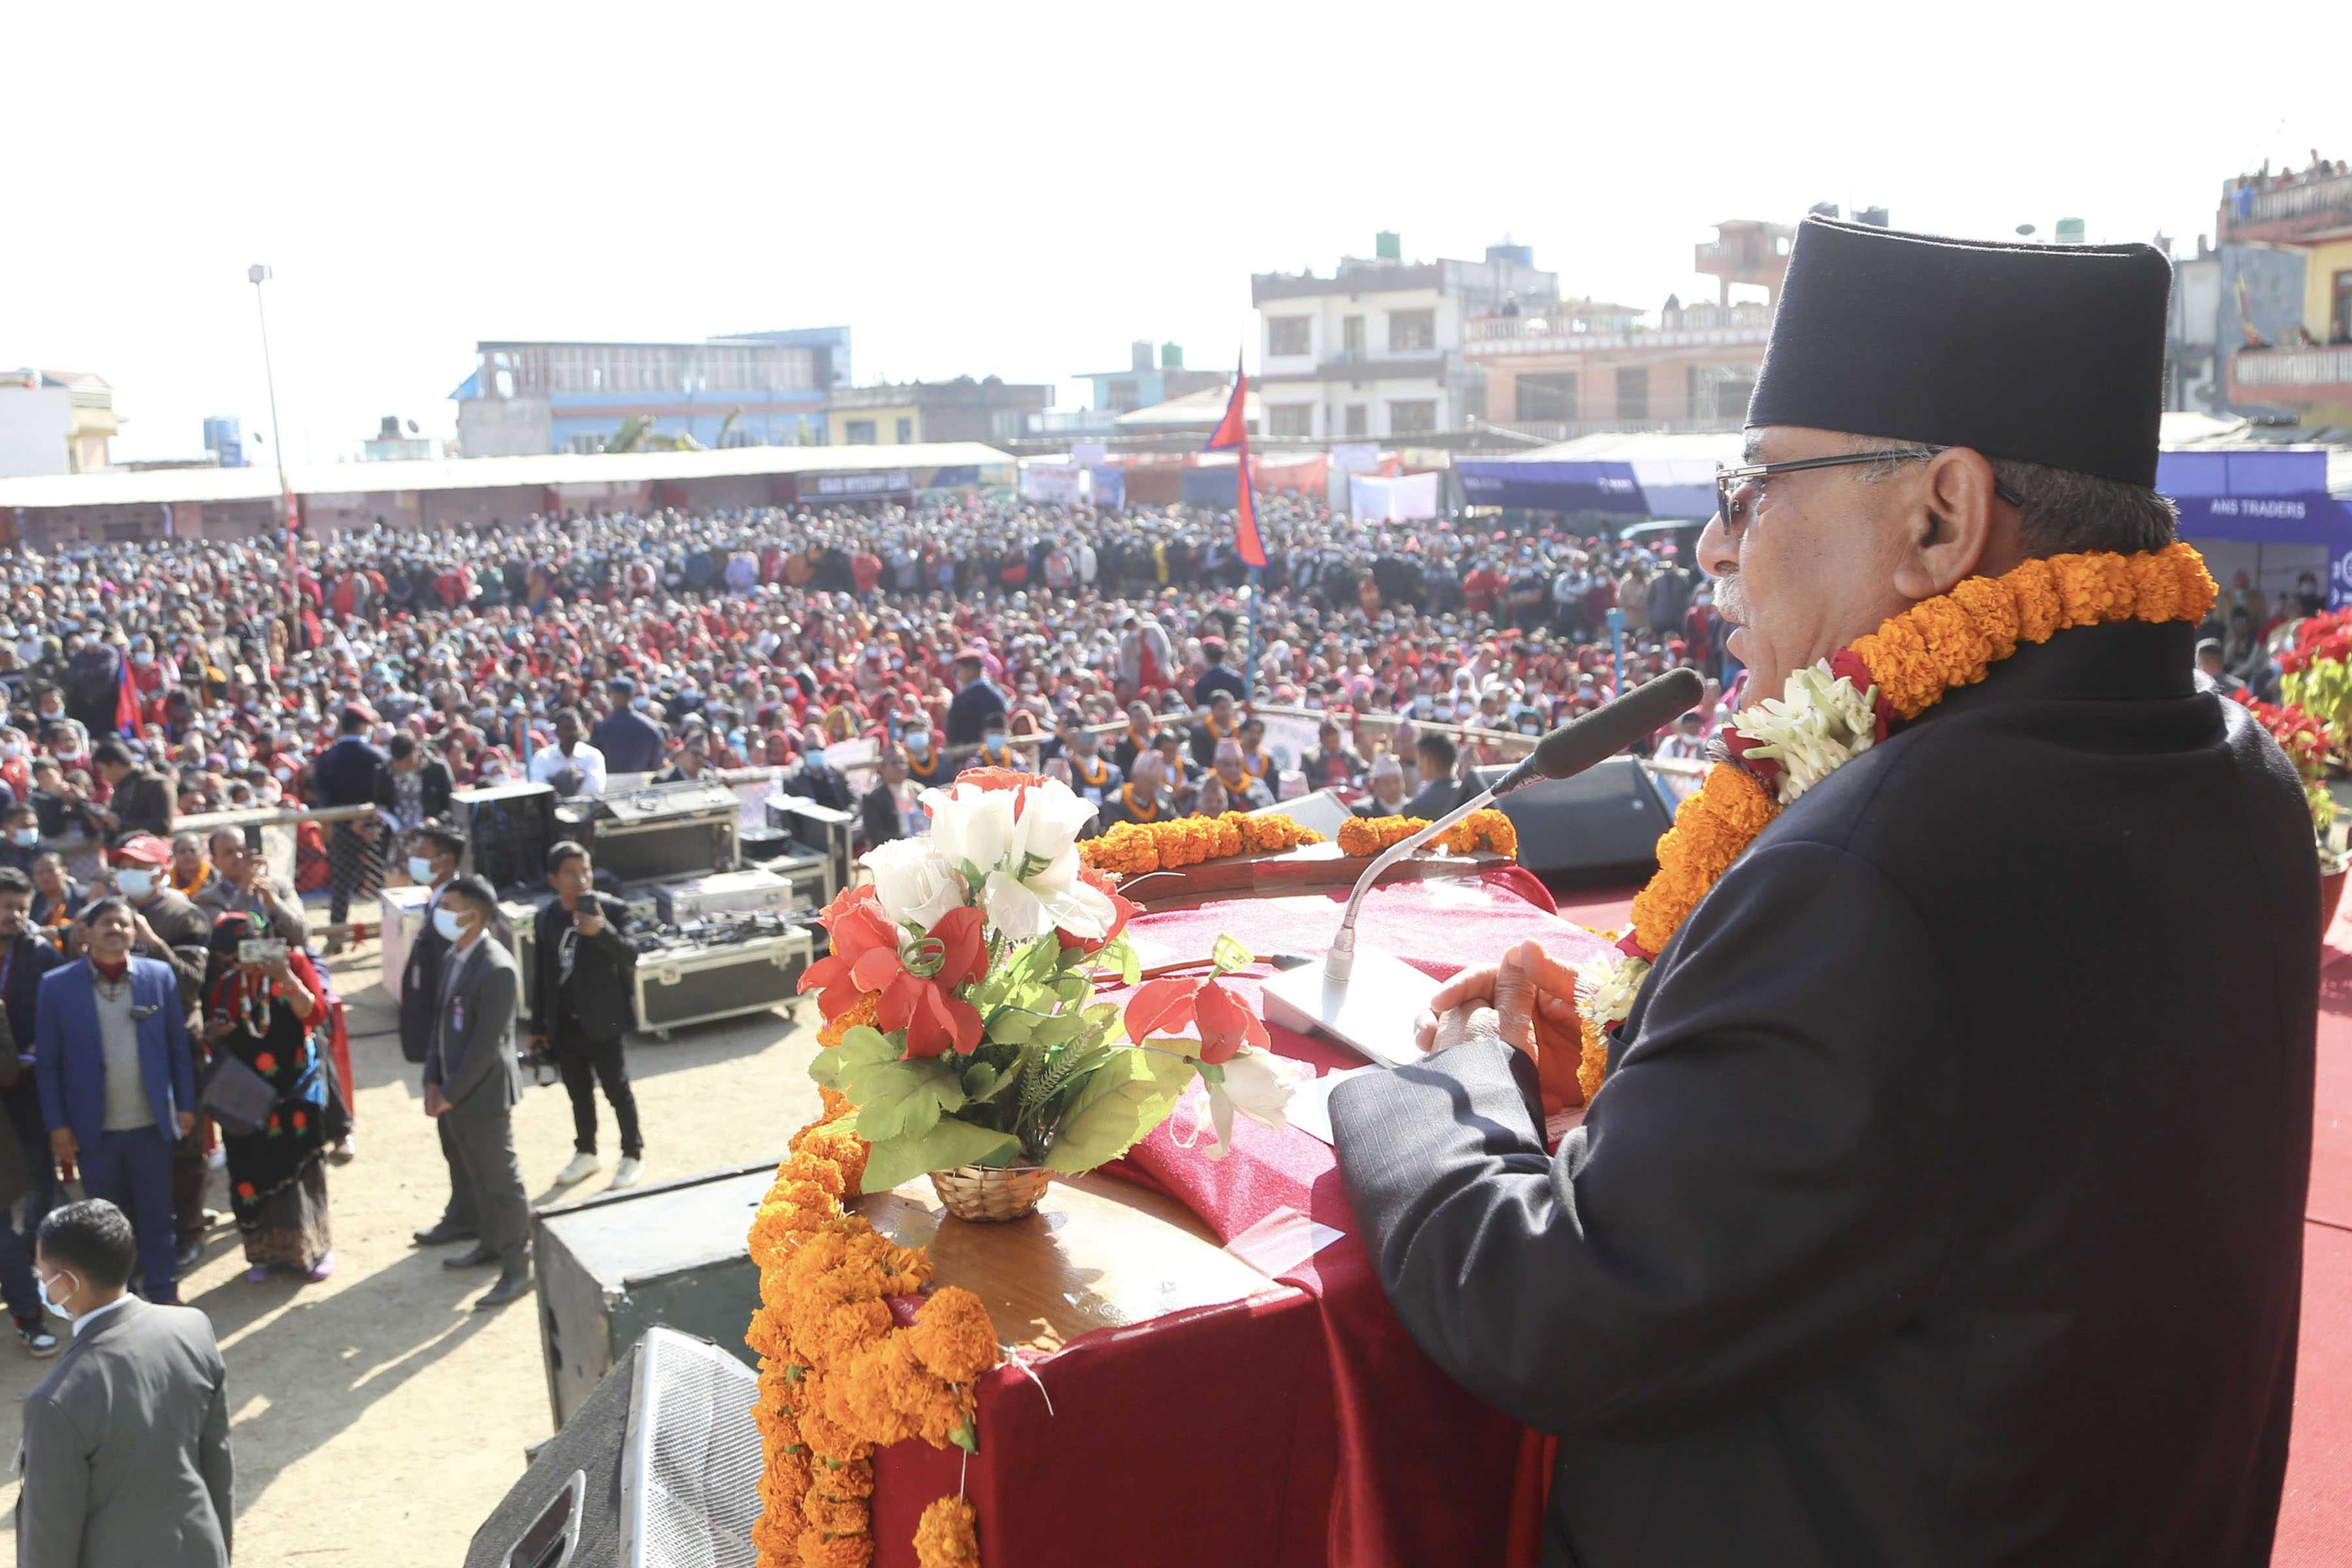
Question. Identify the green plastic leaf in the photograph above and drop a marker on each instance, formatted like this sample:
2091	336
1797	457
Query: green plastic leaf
964	1438
979	1080
902	1099
1121	955
1013	1026
1073	989
1230	955
948	1144
859	1049
1180	1044
1132	1093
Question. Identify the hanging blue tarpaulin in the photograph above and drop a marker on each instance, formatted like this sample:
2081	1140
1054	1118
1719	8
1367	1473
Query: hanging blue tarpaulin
2200	471
1671	488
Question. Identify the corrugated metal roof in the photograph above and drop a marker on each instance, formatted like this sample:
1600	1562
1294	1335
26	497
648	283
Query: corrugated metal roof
157	487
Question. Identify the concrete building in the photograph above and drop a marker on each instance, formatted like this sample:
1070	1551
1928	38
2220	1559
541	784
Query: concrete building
1375	351
2303	366
56	422
225	439
756	389
210	502
392	444
1144	384
990	409
1587	368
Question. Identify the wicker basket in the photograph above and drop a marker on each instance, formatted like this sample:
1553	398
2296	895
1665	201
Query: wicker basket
992	1192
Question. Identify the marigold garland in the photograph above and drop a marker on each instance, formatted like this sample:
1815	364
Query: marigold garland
837	1378
1908	665
1139	848
1361	837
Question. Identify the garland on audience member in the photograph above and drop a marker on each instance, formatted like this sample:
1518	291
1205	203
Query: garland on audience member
1364	836
1841	707
1136	849
837	1379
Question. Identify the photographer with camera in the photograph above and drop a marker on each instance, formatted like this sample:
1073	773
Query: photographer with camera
581	1009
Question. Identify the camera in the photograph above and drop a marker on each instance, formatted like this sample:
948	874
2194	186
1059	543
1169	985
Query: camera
260	950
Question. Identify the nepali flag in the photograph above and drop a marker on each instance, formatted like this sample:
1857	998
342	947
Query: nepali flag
1232	434
126	701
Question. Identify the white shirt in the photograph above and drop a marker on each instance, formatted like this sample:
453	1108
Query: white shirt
95	1313
549	761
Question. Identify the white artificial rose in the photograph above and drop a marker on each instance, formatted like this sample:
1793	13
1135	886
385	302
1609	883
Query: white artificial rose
974	825
1259	1085
1051	818
913	882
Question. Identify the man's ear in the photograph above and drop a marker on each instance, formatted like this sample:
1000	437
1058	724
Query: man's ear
1955	525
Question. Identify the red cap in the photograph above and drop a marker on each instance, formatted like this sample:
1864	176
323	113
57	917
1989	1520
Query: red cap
143	849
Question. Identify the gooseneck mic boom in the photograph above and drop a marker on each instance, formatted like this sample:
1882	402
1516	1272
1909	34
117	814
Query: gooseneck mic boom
1567	751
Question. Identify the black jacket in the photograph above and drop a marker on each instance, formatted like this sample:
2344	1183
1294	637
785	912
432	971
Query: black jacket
879	813
435	788
602	994
29	958
632	743
1945	1203
345	772
968	713
420	988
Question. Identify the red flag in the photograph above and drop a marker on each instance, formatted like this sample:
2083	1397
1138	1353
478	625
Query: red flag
1232	434
126	701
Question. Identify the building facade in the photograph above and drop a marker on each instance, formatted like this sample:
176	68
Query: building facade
1144	384
1375	351
2302	222
56	422
759	389
990	409
225	439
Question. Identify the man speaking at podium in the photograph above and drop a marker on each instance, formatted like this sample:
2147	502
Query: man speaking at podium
1943	1203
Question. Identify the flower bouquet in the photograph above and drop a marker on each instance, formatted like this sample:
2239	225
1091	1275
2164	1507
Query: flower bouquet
2315	677
2305	743
960	1019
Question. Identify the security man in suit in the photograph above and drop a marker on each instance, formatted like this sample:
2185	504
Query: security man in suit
25	957
632	743
470	1082
1944	1201
435	853
126	1451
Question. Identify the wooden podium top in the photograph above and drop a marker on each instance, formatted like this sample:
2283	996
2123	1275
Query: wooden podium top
1098	1253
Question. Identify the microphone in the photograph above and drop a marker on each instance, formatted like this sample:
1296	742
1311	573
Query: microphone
1305	999
1606	731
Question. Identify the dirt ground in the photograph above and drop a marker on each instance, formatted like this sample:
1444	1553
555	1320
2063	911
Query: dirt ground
377	1418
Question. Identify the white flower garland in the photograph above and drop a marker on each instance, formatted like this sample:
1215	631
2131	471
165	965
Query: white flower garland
1820	725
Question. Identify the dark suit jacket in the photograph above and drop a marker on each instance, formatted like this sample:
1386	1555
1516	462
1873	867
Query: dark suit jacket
435	786
970	709
472	1053
142	803
420	988
30	958
1434	799
1946	1203
632	743
126	1454
884	822
70	1066
600	968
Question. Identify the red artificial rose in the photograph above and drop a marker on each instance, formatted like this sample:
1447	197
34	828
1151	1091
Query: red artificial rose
264	1064
1122	910
1847	663
1164	1006
865	958
865	953
245	1191
301	1120
1226	1024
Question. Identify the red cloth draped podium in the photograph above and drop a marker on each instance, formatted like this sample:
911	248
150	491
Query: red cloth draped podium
1300	1428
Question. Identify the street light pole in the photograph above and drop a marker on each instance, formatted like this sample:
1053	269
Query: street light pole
257	274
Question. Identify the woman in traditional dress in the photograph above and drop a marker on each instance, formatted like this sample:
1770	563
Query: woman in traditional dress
264	1014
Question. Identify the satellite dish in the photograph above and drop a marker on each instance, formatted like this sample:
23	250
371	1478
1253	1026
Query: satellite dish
411	426
2025	229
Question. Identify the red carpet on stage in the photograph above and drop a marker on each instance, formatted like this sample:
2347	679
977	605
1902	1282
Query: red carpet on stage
2316	1517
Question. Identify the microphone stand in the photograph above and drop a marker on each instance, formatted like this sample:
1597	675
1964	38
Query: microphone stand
1341	962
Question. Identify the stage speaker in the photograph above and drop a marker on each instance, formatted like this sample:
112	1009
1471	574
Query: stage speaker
509	830
660	1468
1605	821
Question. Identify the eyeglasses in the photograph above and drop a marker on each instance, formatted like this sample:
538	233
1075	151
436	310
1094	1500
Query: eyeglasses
1738	489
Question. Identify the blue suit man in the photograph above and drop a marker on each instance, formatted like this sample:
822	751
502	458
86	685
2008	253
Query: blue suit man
107	1014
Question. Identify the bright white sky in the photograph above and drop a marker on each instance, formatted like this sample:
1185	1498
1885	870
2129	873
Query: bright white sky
1016	189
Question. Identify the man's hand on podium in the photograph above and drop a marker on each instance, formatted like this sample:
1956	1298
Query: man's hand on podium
1528	1003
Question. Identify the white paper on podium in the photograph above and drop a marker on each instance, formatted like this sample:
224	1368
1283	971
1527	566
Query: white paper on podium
1281	1242
1310	1103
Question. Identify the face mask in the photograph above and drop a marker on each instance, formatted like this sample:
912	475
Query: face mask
918	746
137	886
420	869
13	748
54	1303
142	659
446	922
993	744
26	837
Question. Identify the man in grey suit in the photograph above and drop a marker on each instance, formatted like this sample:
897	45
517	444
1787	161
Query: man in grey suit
469	1078
125	1456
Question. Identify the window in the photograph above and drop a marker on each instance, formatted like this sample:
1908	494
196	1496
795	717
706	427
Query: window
1413	417
590	442
1294	420
1126	396
1412	332
906	431
1358	420
1634	393
1550	396
858	433
1288	335
2339	326
1351	338
1720	391
1005	424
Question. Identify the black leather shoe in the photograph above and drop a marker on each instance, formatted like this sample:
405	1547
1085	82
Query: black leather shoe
474	1257
510	1286
442	1235
188	1255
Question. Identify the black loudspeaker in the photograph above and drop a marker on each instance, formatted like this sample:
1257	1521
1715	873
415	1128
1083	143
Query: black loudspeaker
1606	820
509	830
660	1468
